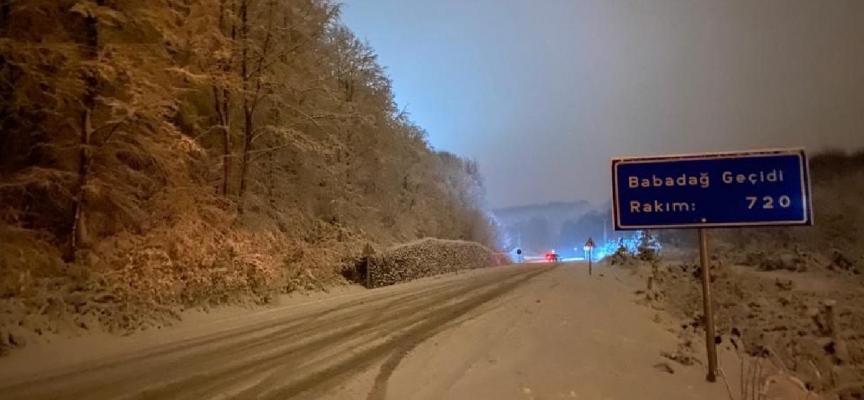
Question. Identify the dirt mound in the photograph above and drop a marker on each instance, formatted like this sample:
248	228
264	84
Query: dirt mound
429	257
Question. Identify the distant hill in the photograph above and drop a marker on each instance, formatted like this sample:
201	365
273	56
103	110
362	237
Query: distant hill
537	227
554	210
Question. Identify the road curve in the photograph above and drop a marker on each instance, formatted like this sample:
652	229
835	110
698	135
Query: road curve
301	353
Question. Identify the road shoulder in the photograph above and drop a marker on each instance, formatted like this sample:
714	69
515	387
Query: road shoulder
561	335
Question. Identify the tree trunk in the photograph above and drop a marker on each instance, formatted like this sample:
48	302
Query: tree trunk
247	108
6	89
77	232
271	178
222	102
5	14
251	92
247	147
223	108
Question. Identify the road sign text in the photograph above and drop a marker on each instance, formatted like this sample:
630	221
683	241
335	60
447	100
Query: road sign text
712	190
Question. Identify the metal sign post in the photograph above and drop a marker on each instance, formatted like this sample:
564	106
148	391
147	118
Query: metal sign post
705	261
701	191
589	250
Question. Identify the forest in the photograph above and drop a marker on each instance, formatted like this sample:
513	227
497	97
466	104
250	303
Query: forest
173	153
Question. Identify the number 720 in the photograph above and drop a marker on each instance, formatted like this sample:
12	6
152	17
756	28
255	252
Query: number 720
768	202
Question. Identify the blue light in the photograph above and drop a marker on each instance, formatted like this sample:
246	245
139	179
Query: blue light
609	248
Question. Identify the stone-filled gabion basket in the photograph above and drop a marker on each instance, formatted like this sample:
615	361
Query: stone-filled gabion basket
429	257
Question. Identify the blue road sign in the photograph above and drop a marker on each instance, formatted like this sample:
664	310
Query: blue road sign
757	188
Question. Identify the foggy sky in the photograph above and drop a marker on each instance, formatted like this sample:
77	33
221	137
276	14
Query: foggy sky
544	92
